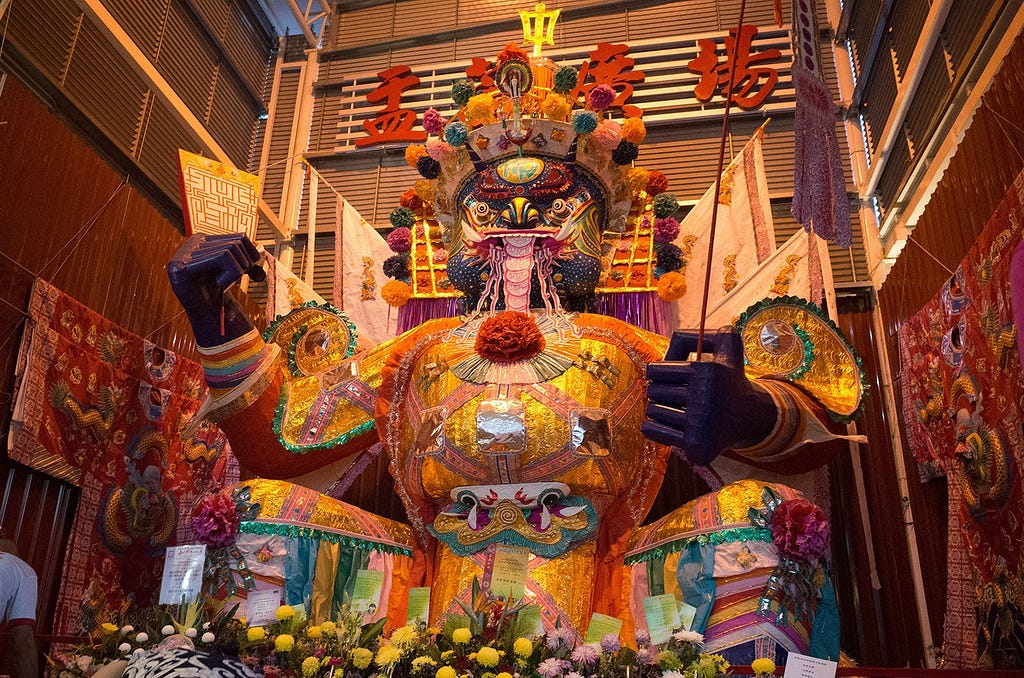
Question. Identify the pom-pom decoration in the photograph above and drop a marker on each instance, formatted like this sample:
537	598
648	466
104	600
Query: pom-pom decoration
413	152
668	257
462	91
441	151
607	135
481	108
215	520
433	123
565	80
636	179
425	190
456	133
656	183
664	204
800	530
601	97
509	337
411	200
396	293
428	167
625	153
556	107
633	130
665	230
400	240
402	217
671	286
584	122
511	52
396	266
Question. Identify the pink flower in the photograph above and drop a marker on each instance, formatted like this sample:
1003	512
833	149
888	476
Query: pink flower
549	668
433	123
601	97
440	255
800	530
666	230
587	654
215	520
607	135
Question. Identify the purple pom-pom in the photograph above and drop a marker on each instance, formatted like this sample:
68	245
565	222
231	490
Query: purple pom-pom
400	240
625	152
396	266
668	257
433	123
428	167
601	97
666	230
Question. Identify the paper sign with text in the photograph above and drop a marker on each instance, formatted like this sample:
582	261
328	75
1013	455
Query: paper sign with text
802	666
183	574
261	607
505	571
600	626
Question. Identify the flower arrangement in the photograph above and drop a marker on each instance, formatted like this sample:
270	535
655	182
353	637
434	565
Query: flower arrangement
488	642
215	520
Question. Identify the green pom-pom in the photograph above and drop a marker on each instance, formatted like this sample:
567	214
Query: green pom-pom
665	205
402	217
461	92
565	79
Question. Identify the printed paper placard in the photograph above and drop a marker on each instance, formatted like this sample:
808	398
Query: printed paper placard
662	615
366	593
529	621
183	574
686	614
418	608
600	626
802	666
505	571
261	607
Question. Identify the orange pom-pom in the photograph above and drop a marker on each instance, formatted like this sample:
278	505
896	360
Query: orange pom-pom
636	178
509	337
414	152
633	130
411	200
671	286
656	183
396	293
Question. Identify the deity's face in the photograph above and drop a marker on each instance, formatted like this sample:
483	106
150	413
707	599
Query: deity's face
528	229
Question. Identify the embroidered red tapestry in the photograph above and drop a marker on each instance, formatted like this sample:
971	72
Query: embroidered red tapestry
104	409
961	387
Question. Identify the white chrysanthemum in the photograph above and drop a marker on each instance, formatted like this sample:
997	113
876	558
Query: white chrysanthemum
208	637
191	633
167	630
685	636
124	647
142	637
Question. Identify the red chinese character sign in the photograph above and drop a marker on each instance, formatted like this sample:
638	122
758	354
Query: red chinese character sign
752	82
392	123
610	64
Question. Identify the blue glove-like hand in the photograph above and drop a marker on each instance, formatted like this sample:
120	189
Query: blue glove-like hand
705	407
201	270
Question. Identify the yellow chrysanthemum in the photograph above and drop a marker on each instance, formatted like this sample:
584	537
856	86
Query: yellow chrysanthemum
256	633
422	661
481	108
361	658
556	107
284	612
447	655
107	628
310	665
762	666
404	635
461	636
504	674
671	286
633	130
387	655
446	672
284	643
328	627
523	647
487	656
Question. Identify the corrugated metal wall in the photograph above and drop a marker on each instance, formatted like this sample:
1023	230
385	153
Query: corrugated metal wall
213	52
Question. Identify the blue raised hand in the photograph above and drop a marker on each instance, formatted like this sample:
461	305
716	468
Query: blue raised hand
705	407
201	271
